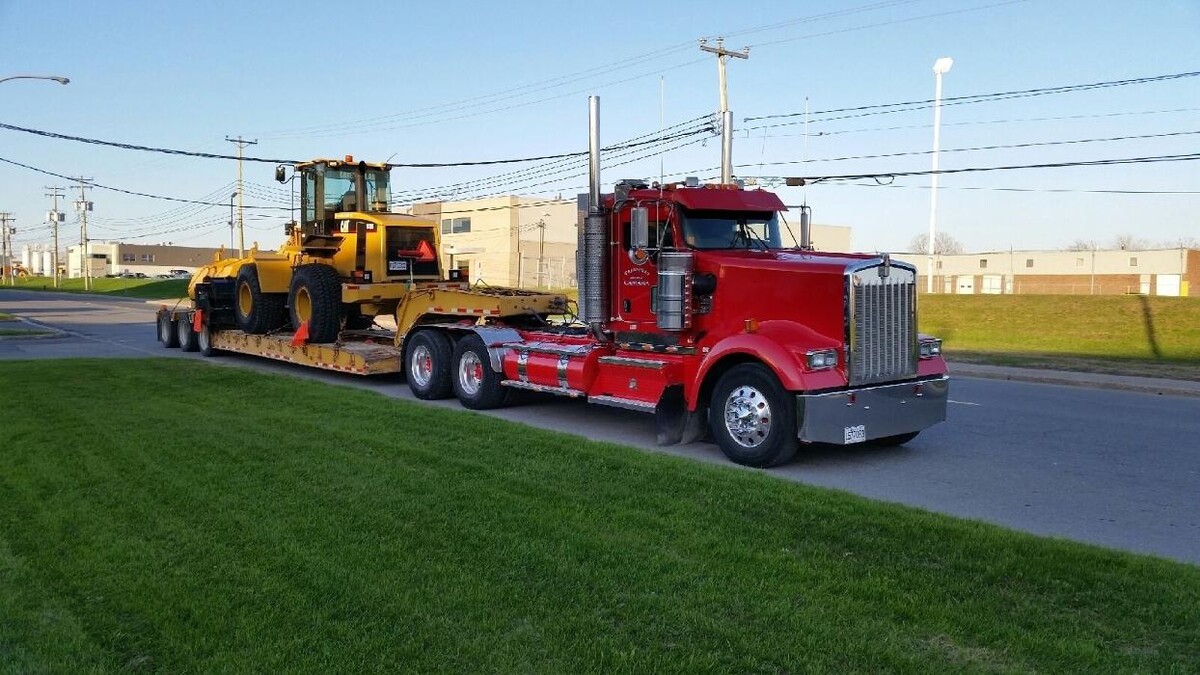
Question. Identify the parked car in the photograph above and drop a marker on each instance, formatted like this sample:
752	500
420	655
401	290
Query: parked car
179	274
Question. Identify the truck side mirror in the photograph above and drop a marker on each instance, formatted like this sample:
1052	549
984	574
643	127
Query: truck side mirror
280	174
639	231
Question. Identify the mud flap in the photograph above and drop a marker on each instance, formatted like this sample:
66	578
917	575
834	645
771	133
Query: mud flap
674	423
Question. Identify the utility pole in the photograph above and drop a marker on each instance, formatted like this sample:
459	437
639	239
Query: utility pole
726	116
5	240
541	248
241	143
83	206
55	218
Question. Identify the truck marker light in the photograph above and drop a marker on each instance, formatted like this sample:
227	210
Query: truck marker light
751	325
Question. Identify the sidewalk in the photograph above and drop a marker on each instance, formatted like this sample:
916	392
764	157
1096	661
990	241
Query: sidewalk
1148	385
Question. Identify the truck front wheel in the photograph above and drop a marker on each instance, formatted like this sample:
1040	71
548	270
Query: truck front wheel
752	418
476	384
427	364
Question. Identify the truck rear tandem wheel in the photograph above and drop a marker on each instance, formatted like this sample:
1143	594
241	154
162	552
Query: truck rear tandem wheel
476	383
427	359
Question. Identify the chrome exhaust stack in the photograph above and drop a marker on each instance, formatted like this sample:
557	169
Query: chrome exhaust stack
591	256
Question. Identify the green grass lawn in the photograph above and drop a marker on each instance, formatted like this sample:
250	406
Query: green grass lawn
170	515
1123	334
149	289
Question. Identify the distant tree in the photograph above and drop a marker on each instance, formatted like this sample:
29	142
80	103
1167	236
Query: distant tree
1128	242
944	244
1082	245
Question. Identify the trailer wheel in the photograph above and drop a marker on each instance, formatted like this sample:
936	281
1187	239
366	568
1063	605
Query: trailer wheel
316	297
892	441
166	330
427	360
256	312
751	417
204	341
184	335
476	383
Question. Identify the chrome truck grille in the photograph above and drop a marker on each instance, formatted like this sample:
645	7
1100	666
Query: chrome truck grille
881	322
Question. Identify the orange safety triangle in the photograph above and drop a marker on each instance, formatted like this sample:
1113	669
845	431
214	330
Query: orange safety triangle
424	251
301	336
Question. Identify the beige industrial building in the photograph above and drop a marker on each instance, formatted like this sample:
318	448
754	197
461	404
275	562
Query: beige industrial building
108	258
530	242
1157	272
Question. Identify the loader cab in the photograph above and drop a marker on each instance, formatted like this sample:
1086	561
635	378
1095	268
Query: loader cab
329	187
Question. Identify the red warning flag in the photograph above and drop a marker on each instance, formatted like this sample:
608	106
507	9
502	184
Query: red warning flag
301	336
424	251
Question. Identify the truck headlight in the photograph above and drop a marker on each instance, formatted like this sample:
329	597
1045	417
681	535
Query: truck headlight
821	359
930	348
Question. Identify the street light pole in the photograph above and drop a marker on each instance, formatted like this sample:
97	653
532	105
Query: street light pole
940	68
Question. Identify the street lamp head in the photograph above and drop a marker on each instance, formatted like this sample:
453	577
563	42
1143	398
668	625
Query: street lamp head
943	65
57	78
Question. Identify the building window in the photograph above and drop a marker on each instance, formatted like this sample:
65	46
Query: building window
1079	262
128	257
147	257
1133	261
1029	262
983	263
456	225
939	264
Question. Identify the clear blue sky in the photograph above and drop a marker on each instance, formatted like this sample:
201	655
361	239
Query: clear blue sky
456	81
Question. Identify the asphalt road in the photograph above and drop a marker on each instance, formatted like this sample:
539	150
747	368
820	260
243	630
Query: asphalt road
1115	468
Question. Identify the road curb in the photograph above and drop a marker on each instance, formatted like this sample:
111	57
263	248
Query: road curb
1145	385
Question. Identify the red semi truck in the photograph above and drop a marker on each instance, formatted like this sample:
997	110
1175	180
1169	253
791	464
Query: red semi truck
696	304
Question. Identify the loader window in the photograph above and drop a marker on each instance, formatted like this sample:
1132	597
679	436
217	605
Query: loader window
339	190
379	191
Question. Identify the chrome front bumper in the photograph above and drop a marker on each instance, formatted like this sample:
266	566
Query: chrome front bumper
859	415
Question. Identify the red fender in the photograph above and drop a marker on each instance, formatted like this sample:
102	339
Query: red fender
781	346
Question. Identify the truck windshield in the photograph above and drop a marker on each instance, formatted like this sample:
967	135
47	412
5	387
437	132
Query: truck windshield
731	229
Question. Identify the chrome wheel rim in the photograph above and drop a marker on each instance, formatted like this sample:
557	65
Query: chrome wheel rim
183	331
420	366
164	330
203	338
470	373
747	416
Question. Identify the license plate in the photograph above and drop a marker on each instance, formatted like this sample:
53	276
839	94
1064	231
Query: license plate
856	434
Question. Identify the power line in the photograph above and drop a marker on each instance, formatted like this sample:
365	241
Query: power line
1051	165
908	106
133	192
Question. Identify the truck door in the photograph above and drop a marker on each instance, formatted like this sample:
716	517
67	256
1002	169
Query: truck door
636	271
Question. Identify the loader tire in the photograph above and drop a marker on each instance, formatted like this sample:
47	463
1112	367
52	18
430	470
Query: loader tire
185	335
166	331
256	312
315	297
752	418
427	358
476	384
